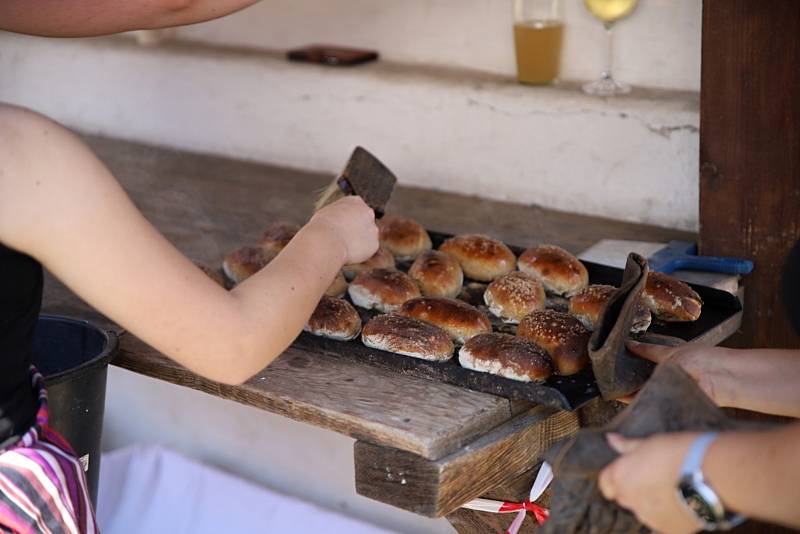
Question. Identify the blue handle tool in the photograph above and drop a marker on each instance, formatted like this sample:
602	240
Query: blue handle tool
683	255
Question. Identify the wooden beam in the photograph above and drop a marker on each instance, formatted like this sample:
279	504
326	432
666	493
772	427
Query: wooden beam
437	487
750	151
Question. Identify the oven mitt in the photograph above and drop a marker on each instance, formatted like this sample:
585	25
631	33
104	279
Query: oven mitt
618	372
671	401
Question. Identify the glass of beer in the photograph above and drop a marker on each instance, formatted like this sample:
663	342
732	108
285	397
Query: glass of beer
608	12
538	28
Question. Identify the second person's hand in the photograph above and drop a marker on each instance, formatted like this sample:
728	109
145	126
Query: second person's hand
352	223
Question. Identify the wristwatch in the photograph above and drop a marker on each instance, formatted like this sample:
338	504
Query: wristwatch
697	495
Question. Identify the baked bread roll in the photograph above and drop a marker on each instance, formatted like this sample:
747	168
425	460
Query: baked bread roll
382	259
481	257
455	317
514	295
383	289
507	356
563	337
245	262
408	336
671	300
587	306
334	318
403	237
560	272
338	287
277	236
212	273
437	273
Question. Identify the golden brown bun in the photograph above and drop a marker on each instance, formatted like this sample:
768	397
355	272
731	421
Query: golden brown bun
587	306
560	272
334	318
212	273
563	337
383	289
455	317
508	356
411	337
437	273
403	237
382	259
278	235
338	287
481	257
245	262
514	295
670	299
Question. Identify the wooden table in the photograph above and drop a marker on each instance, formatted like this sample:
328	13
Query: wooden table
423	446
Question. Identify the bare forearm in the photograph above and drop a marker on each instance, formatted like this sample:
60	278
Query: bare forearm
763	380
84	18
758	473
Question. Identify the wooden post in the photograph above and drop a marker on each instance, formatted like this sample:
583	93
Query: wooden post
750	151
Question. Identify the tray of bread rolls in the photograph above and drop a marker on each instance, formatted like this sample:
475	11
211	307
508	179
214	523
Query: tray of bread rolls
475	312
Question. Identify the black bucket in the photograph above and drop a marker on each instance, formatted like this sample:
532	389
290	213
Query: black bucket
73	357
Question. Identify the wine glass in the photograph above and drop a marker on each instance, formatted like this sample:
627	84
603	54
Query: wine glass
608	12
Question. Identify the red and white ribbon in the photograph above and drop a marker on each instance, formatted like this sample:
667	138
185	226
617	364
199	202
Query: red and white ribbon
543	479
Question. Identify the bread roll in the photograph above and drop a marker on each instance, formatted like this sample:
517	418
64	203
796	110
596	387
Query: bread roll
587	306
560	272
334	318
411	337
245	262
514	295
212	273
382	259
671	300
338	287
481	257
455	317
437	273
405	238
277	236
563	337
507	356
383	289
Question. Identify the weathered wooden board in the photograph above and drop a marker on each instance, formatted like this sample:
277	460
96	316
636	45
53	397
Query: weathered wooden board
437	487
364	402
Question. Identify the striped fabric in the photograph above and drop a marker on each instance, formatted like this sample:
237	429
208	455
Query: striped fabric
42	485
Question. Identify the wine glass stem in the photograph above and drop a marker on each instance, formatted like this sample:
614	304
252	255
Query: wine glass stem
610	57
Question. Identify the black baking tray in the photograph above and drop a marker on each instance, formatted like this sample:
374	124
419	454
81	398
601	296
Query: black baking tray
568	393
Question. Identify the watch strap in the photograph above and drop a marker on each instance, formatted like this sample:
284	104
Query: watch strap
693	461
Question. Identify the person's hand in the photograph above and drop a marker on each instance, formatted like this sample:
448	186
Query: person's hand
703	363
644	479
352	223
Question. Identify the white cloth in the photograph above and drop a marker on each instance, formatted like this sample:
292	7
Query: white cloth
155	490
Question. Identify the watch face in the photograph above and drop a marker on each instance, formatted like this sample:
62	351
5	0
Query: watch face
698	505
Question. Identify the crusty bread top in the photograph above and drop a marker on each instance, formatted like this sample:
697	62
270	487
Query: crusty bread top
514	295
406	335
522	357
338	287
438	274
403	237
387	285
564	338
245	261
453	315
382	259
671	299
334	316
278	235
481	257
588	303
560	272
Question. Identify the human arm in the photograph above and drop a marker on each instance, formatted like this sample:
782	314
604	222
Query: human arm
763	380
754	473
59	204
83	18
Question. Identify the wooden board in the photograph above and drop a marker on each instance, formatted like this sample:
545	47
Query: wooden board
437	487
360	401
